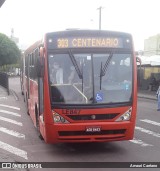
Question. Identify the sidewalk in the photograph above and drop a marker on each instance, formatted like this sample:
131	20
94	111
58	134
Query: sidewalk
3	92
147	94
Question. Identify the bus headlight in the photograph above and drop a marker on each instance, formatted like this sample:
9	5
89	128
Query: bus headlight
126	116
58	118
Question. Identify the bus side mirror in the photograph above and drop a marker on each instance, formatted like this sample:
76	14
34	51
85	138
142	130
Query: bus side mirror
40	63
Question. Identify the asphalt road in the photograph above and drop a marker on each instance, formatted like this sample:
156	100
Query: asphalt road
19	140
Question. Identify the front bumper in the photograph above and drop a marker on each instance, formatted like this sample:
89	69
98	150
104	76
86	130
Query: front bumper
110	131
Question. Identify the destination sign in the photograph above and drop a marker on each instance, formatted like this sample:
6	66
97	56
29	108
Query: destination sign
89	42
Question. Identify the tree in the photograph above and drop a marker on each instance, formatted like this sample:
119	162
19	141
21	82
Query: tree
9	52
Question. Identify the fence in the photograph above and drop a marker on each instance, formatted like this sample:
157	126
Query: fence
4	81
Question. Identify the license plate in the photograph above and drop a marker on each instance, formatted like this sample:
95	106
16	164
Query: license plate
93	129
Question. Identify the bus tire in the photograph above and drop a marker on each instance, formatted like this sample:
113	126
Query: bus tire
22	91
26	99
40	137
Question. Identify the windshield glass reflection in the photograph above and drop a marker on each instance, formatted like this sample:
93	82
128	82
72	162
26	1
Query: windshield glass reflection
90	78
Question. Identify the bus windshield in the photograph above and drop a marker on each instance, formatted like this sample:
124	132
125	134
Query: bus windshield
90	78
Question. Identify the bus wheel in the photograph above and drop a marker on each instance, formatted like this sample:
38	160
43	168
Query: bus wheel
27	107
26	100
37	123
22	92
40	137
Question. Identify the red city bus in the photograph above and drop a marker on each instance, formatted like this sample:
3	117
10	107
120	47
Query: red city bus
81	86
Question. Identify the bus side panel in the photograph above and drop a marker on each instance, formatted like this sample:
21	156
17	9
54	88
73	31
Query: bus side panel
33	100
45	116
134	106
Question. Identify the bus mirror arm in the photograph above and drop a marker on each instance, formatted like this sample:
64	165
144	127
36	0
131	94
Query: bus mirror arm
41	52
40	63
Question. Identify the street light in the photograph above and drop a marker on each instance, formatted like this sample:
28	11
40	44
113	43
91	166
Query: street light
100	10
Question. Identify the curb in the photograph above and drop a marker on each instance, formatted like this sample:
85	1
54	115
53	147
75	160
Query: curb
150	98
14	94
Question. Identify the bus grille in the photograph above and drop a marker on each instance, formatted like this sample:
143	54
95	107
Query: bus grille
89	117
81	133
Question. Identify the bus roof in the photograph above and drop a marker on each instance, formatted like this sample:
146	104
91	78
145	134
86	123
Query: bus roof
33	46
88	32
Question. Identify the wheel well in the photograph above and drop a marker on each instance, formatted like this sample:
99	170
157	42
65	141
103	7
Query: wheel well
36	115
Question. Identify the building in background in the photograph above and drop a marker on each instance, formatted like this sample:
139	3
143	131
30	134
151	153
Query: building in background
152	45
150	64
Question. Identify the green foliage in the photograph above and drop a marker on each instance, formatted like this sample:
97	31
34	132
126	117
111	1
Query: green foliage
9	67
9	52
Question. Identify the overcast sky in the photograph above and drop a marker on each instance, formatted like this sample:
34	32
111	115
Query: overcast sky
31	18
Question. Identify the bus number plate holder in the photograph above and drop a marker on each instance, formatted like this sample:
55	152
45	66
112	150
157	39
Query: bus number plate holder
93	129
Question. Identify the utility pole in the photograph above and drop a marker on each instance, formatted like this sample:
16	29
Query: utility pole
100	10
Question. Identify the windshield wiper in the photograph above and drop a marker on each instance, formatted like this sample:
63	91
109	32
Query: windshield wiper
104	69
79	72
75	65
